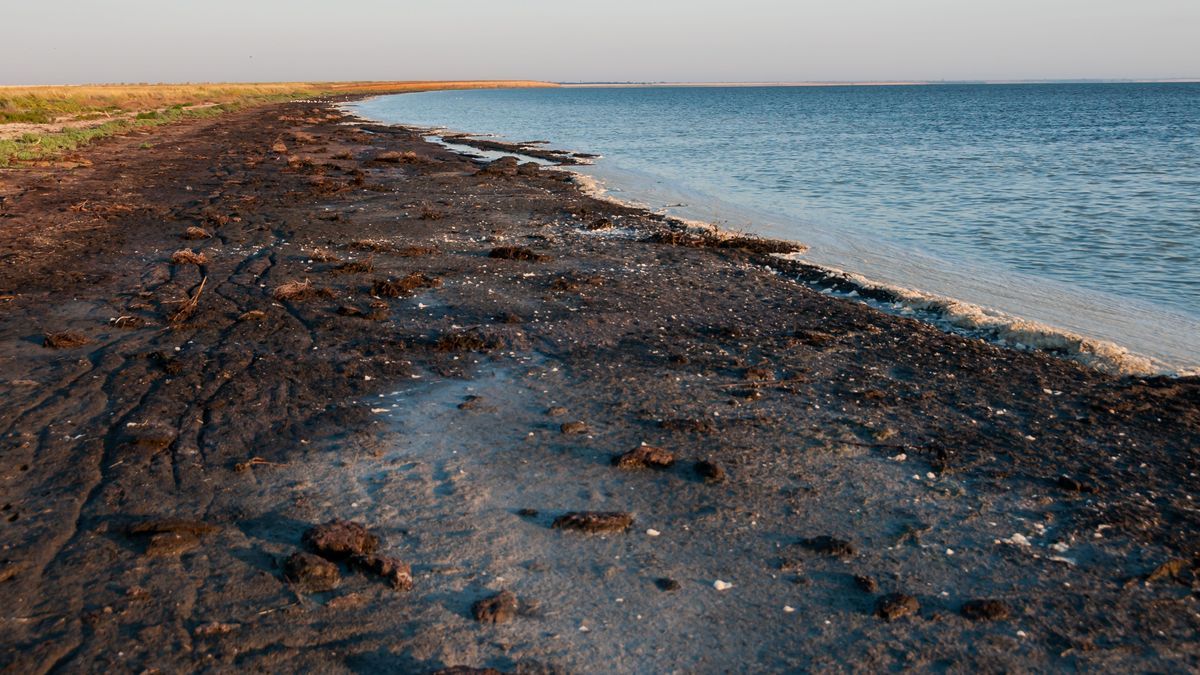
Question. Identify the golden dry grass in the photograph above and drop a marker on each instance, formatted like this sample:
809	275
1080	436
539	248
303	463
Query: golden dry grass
45	121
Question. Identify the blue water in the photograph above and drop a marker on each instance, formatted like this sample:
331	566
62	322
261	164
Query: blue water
1072	204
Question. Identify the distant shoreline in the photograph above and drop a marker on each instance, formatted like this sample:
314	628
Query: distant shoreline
903	83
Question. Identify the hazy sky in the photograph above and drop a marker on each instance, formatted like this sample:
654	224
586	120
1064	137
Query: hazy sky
70	41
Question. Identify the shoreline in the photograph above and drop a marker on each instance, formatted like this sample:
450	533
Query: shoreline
947	313
458	355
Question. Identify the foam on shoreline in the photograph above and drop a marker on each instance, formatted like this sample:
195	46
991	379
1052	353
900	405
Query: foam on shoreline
946	313
943	312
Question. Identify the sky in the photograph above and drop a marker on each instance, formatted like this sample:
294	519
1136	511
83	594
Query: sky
81	41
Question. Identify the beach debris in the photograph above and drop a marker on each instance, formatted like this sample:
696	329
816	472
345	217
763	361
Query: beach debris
573	428
1171	569
788	609
499	608
188	307
645	456
699	426
985	610
355	267
215	628
253	315
394	157
186	256
1017	539
340	539
710	471
594	521
298	291
311	573
895	606
466	341
279	146
517	253
389	288
717	239
504	166
1072	485
722	585
393	570
65	340
194	233
242	467
865	583
653	533
666	584
323	255
830	546
127	321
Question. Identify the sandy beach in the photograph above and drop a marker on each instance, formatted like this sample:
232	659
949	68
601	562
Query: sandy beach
553	434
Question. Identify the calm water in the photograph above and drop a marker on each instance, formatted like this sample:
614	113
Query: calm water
1077	205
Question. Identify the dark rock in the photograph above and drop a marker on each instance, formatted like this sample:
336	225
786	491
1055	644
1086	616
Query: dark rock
499	608
702	426
594	521
865	584
340	539
896	606
528	513
985	610
311	573
556	411
667	584
393	570
645	456
517	253
1071	485
166	544
574	428
709	471
826	545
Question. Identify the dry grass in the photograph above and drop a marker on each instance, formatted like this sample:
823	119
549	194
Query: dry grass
293	290
43	122
387	288
188	257
65	340
194	233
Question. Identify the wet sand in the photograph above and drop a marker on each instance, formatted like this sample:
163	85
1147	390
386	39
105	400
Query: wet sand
452	355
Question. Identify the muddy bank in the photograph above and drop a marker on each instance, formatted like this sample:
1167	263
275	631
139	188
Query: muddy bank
265	323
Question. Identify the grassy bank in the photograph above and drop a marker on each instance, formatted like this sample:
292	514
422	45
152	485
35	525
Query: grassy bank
45	122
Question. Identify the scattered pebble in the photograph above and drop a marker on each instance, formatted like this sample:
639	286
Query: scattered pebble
722	585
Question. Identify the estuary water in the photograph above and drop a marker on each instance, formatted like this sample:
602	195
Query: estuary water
1076	206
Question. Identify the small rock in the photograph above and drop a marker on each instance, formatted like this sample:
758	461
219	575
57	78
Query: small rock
645	456
311	573
573	428
722	585
166	544
709	471
556	411
896	606
594	521
340	539
985	610
653	533
500	608
826	545
667	584
1071	485
393	570
866	584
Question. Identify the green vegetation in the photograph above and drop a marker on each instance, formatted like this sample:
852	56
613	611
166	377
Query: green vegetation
77	115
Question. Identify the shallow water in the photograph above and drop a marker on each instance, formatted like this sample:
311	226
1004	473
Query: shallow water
1076	205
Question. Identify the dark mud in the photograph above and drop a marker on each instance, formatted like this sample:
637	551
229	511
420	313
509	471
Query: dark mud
170	432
